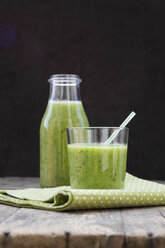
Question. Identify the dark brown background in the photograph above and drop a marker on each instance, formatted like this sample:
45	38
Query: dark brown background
117	47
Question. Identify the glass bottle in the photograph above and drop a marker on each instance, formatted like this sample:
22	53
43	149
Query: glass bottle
64	110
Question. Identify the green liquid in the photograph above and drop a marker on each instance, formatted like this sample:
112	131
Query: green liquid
59	115
96	166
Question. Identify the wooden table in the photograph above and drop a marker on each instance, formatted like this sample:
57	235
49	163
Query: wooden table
119	228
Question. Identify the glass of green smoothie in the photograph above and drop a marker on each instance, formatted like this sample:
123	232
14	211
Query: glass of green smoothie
94	164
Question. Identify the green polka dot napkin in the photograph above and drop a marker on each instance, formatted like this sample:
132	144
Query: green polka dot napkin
137	192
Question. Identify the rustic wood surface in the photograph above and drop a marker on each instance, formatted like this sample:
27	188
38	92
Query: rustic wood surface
119	228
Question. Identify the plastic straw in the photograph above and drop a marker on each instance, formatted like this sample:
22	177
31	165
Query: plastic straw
115	133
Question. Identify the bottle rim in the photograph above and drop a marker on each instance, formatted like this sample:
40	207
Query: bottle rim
64	79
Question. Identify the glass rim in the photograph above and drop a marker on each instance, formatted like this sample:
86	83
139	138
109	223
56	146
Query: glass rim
96	128
64	79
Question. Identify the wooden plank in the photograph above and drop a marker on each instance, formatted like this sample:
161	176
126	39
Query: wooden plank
74	229
162	211
144	227
19	182
126	228
6	211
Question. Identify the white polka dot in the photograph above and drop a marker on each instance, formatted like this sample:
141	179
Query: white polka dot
134	198
148	199
87	202
102	193
113	198
123	193
157	194
137	193
91	198
130	193
109	193
87	193
164	194
127	198
106	197
136	202
84	197
94	193
99	197
94	202
120	198
142	202
79	193
154	199
76	197
141	199
144	194
151	194
79	202
116	193
161	199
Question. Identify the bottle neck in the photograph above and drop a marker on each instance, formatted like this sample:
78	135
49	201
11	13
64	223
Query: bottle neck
64	92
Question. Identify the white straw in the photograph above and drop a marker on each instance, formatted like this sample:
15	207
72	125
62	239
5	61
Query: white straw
115	133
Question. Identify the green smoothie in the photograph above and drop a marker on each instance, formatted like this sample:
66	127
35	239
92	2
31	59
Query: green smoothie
96	166
59	115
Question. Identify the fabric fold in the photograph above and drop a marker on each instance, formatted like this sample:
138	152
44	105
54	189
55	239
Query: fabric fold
137	192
